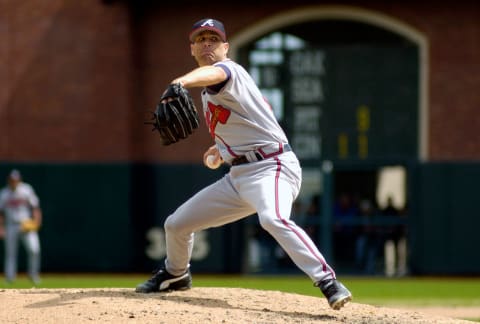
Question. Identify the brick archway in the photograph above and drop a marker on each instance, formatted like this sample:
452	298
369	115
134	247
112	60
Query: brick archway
356	14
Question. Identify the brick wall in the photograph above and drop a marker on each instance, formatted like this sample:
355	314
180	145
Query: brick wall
66	78
76	77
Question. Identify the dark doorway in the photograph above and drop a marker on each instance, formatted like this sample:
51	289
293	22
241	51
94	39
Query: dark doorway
346	92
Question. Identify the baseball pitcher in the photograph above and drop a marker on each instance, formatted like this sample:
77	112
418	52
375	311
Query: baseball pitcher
264	177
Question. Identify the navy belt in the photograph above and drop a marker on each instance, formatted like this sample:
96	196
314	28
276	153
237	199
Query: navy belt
243	159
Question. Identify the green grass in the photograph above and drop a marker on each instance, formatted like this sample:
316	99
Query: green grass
418	291
374	291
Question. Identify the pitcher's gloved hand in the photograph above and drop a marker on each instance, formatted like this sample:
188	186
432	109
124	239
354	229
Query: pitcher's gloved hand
176	116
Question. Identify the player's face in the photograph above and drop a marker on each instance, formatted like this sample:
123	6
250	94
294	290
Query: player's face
13	183
208	48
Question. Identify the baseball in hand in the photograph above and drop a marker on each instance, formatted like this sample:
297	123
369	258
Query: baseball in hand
211	163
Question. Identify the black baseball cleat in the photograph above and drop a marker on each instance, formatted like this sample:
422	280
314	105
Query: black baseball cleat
336	293
164	281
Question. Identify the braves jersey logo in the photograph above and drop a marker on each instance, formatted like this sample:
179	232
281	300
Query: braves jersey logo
215	114
16	202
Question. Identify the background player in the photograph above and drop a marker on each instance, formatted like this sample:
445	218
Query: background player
264	178
19	203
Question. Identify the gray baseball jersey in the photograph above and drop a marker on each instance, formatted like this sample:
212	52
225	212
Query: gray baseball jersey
16	204
239	118
242	123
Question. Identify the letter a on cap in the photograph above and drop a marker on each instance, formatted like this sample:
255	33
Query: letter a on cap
208	22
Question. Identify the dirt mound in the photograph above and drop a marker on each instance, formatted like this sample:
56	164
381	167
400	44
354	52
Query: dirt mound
197	305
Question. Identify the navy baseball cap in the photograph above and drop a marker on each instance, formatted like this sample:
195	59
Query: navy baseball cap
208	24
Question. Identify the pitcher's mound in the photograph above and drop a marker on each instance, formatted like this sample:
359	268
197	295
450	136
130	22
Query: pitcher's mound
197	305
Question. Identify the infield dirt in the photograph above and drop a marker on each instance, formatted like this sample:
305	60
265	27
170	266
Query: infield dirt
197	305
